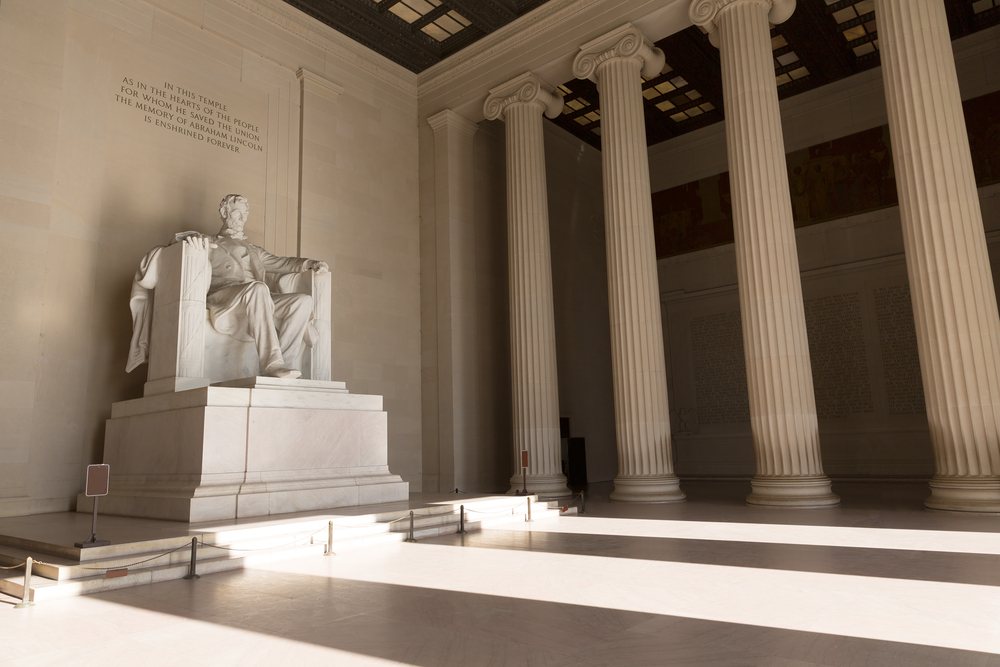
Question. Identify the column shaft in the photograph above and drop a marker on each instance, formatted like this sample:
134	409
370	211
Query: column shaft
779	372
534	379
642	418
954	303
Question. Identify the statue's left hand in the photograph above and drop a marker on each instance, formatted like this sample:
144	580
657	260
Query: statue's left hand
317	266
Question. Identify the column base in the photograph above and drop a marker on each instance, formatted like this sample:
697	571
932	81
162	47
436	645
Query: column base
800	491
541	485
964	494
647	489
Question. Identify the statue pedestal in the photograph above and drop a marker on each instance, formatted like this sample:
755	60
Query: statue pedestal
245	448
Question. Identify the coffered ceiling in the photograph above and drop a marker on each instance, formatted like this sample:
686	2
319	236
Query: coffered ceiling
823	41
416	33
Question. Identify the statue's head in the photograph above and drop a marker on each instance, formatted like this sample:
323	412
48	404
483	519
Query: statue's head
234	210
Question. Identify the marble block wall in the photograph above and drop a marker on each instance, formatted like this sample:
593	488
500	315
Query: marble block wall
124	121
580	295
862	341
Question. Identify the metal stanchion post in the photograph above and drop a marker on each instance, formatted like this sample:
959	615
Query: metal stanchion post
583	503
411	538
461	519
192	573
26	597
329	540
528	518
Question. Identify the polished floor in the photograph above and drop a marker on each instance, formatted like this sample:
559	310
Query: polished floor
878	581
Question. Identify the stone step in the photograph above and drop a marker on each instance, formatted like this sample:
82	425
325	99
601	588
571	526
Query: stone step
176	551
55	576
43	589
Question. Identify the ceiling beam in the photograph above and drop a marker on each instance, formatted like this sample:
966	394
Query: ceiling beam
386	5
487	15
430	17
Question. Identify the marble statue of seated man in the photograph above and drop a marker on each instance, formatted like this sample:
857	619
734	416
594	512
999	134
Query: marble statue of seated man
240	302
243	299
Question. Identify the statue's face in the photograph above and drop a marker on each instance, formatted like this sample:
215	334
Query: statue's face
237	216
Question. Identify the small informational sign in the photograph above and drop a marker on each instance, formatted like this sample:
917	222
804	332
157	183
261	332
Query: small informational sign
524	458
98	480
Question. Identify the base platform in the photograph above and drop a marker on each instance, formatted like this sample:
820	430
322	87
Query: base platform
245	448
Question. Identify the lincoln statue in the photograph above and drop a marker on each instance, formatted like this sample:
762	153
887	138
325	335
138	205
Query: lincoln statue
244	298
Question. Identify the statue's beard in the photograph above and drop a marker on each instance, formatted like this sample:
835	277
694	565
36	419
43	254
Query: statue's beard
234	233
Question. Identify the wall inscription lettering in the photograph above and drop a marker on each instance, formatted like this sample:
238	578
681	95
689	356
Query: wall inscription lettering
720	372
898	339
173	108
836	333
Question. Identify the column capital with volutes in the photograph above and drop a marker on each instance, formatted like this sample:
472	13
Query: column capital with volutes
626	41
706	12
524	89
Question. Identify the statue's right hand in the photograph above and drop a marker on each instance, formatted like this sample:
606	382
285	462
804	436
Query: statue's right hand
202	243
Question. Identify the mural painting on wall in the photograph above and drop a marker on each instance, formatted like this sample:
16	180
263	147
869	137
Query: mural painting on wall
832	180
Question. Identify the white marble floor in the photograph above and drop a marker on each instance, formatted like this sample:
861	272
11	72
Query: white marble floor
878	581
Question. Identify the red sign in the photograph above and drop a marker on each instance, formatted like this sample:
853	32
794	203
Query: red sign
524	458
98	479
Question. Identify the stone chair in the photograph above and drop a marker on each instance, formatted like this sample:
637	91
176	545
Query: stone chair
186	352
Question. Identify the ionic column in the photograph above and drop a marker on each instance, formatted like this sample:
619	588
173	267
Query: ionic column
645	466
779	373
954	304
534	381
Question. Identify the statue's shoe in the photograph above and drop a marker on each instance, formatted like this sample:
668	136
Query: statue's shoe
283	372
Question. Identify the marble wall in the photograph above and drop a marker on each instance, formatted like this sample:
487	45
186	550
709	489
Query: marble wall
862	344
580	296
124	121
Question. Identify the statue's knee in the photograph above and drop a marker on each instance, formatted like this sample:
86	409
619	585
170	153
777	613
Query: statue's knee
258	289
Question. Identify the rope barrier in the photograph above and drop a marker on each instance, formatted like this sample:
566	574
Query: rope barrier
125	567
14	567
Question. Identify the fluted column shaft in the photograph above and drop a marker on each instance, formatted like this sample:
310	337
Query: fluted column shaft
954	303
779	373
534	379
642	421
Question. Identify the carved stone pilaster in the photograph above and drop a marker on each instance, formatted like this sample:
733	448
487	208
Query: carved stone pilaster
642	421
456	305
534	380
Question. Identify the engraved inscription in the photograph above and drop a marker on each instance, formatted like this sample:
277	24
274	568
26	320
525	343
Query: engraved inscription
184	112
720	372
898	339
836	333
